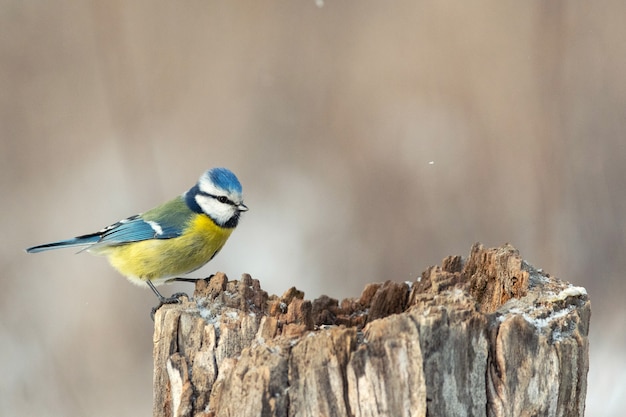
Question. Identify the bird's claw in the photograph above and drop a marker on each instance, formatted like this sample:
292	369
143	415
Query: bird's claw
174	299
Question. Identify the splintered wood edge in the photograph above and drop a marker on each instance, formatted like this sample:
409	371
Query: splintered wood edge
494	281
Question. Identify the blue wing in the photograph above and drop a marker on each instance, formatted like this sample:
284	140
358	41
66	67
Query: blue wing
134	229
164	222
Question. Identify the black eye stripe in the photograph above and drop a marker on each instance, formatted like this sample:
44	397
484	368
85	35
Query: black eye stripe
220	198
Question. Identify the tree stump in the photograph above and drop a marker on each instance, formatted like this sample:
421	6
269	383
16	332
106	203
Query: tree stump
488	335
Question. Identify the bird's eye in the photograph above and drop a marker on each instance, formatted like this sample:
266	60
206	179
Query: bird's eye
223	199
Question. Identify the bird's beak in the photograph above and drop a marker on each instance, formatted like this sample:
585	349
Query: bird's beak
242	207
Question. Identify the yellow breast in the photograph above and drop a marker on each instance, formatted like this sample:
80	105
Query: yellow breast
159	259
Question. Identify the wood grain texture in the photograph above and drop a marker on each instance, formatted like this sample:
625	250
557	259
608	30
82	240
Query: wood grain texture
486	335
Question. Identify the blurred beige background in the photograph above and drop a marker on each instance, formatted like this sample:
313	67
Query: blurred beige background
372	140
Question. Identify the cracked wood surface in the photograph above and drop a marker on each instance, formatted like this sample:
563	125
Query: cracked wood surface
486	335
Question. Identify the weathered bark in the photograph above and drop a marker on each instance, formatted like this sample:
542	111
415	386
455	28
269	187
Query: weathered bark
484	336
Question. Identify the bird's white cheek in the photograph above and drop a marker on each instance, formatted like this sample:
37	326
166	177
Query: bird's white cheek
220	212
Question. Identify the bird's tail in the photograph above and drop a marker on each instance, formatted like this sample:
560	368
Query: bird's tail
76	241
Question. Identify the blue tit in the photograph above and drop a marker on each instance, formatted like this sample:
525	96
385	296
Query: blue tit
172	239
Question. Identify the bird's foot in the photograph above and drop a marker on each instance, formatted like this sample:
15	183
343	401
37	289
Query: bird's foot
174	299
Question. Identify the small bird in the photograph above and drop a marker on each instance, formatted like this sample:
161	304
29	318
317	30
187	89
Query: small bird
172	239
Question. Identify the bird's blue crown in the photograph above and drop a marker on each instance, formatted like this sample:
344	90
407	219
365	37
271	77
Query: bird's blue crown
224	179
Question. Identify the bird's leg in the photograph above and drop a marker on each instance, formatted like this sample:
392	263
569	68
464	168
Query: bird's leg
181	279
175	298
